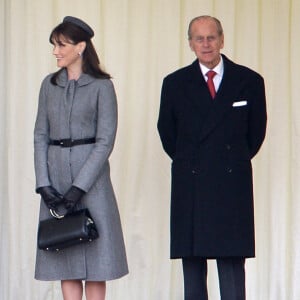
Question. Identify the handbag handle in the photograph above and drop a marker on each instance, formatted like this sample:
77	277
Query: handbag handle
55	214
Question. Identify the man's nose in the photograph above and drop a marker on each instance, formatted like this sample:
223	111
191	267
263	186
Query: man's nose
205	42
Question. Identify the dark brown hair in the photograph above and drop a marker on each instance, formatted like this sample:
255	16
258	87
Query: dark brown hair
74	34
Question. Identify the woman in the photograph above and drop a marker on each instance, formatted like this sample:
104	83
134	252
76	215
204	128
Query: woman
73	138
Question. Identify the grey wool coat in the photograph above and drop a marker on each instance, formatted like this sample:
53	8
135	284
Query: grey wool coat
80	109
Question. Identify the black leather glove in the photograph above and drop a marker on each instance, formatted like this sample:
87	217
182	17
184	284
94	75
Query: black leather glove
72	197
50	195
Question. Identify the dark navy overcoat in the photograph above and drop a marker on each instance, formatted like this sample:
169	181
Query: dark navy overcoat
211	143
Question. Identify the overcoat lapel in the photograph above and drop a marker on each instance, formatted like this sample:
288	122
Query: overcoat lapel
218	107
196	89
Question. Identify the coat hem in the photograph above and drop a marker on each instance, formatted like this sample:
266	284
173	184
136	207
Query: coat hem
98	278
211	256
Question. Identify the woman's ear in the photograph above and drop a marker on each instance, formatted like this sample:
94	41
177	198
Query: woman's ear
81	47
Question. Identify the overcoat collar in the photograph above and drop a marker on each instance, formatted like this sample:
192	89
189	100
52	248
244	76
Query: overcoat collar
62	79
218	107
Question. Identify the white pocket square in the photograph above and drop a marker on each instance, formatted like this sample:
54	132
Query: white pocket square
239	103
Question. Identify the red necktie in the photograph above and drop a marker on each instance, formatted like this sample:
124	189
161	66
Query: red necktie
210	83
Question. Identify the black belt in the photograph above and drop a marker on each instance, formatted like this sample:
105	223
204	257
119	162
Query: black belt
66	143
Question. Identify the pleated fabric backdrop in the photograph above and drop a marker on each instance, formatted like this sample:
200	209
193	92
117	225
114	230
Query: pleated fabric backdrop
139	42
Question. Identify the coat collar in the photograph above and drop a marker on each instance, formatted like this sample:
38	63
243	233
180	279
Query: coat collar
62	79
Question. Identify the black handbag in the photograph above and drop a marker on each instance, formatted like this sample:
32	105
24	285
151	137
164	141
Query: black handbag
61	232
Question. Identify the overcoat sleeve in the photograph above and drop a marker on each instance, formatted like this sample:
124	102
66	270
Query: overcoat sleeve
41	139
257	115
166	124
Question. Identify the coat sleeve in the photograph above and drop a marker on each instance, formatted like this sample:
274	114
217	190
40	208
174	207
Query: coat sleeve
41	139
166	124
257	115
105	138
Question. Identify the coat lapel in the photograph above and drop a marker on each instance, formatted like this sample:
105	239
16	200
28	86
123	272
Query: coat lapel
196	89
215	109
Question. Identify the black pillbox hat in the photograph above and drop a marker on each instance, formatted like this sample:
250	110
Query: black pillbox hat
80	24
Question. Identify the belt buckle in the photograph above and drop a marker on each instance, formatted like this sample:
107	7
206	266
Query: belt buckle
66	143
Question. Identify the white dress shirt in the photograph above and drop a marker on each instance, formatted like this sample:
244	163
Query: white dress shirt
219	69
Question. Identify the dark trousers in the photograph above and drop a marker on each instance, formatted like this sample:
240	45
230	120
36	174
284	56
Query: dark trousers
231	273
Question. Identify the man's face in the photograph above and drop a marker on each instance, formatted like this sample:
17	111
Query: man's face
206	42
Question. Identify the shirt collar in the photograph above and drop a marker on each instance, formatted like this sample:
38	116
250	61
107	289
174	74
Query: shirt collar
219	68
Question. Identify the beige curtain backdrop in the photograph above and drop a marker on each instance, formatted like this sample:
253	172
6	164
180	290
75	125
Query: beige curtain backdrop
139	42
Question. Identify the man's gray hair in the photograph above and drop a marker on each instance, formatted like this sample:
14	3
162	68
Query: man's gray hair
218	23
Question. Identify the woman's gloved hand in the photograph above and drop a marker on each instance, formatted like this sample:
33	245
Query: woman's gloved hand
72	197
50	195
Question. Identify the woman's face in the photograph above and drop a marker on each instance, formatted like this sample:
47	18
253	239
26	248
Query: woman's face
66	52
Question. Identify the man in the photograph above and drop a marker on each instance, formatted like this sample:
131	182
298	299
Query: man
211	129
